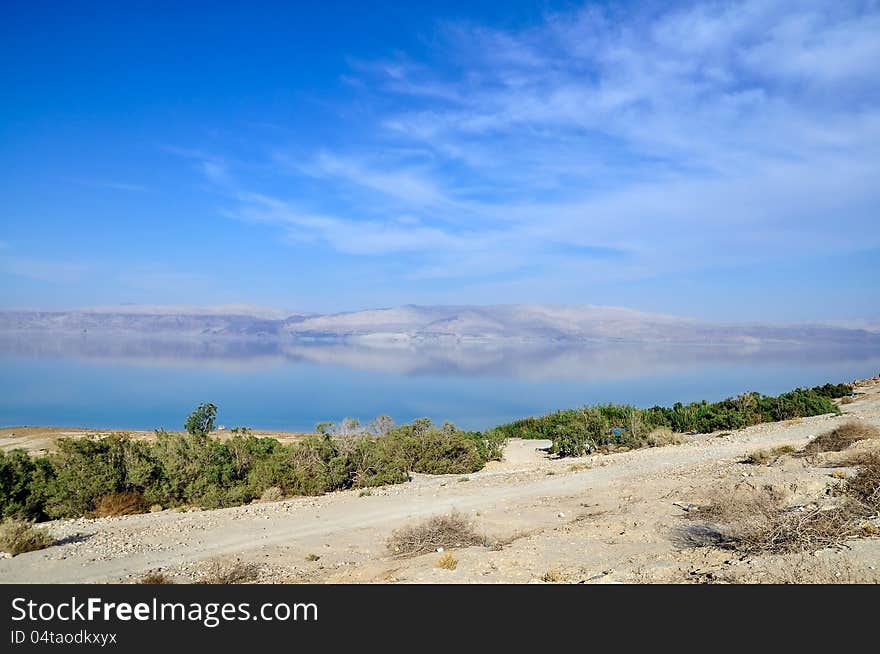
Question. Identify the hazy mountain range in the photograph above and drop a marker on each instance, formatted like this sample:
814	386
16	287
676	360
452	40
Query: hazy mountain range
429	324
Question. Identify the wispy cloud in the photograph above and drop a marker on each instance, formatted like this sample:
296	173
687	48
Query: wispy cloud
111	185
676	138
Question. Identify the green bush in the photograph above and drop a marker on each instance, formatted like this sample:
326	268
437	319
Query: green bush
435	450
84	471
22	482
578	431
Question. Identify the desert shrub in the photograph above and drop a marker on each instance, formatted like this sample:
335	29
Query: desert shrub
759	457
20	536
124	503
764	457
22	484
433	450
553	577
446	531
571	440
864	486
833	391
370	461
447	561
158	578
85	470
578	431
272	494
840	438
756	521
662	436
222	571
490	445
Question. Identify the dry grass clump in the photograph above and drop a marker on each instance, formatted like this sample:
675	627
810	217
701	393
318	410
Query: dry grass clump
766	457
664	436
840	438
156	577
447	562
553	577
272	494
20	536
757	521
864	486
446	531
127	503
230	572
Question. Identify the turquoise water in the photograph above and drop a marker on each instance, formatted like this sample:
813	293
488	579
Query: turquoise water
292	387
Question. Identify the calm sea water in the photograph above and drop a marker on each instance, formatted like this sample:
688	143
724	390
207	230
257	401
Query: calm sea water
147	385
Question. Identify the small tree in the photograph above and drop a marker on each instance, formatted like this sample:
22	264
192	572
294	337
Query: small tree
201	421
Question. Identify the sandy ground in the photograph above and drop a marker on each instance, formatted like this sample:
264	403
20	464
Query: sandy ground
599	519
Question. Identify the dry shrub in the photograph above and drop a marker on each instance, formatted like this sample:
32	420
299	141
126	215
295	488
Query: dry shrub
230	572
156	578
765	457
846	400
664	436
732	505
840	438
115	504
759	457
553	577
756	521
272	494
447	562
20	536
446	531
864	486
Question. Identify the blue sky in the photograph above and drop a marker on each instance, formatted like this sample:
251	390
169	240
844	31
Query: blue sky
718	160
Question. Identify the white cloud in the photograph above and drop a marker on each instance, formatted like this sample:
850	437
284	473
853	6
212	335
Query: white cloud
716	133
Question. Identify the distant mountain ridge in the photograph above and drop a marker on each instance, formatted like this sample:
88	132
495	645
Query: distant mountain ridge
525	322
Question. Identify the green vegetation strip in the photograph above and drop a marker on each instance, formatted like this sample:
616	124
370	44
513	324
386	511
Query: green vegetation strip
114	475
608	426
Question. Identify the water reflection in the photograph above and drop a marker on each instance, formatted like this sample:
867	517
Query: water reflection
521	360
145	383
